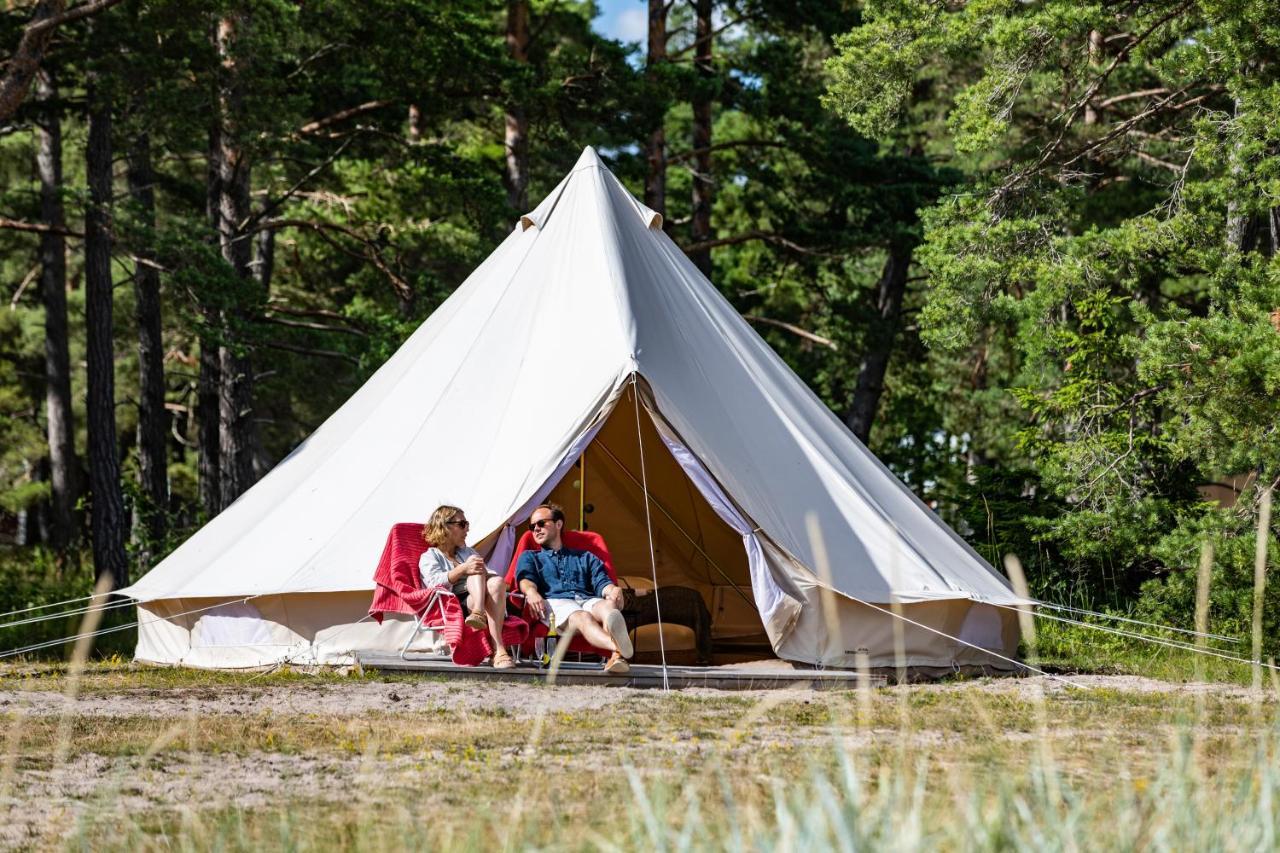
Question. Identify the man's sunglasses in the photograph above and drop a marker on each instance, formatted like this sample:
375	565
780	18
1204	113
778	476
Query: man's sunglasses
540	523
463	523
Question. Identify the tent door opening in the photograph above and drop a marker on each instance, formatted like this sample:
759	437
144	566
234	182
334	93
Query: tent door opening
694	550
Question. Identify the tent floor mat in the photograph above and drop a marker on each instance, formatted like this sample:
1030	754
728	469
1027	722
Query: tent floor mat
642	675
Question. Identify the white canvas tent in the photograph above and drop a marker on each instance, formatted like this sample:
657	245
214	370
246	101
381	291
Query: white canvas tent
584	341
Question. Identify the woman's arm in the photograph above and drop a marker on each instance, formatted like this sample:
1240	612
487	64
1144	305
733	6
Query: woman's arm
435	569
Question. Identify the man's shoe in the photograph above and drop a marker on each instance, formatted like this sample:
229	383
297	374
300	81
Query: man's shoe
617	665
616	625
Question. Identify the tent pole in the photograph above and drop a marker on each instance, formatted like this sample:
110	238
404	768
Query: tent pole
582	490
648	524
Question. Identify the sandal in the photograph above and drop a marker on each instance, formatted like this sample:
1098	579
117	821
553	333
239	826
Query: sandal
502	660
476	619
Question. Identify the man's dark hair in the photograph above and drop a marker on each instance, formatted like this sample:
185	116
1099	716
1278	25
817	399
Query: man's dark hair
557	513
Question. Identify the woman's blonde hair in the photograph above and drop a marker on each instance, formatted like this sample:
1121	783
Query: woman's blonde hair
436	533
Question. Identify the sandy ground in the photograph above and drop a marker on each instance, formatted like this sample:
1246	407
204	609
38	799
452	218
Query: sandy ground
518	700
45	802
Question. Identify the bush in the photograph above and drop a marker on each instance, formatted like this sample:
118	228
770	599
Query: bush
37	577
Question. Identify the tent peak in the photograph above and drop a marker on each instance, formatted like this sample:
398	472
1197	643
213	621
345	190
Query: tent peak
602	178
588	159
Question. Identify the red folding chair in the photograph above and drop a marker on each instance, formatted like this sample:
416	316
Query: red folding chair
398	589
582	540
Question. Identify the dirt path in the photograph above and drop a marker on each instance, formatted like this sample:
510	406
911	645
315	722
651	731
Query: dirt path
515	699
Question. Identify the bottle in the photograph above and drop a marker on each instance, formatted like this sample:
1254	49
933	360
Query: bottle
549	646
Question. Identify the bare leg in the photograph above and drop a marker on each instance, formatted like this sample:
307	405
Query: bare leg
596	635
495	605
608	615
475	591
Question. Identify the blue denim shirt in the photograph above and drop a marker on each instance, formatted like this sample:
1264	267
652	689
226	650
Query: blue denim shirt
564	573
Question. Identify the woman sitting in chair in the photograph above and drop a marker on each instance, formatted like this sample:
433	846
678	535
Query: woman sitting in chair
450	563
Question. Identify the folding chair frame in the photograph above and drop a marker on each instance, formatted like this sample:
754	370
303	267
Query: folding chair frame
420	625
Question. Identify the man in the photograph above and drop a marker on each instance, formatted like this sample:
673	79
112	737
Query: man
574	586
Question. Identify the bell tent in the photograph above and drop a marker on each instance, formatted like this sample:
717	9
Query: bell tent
588	361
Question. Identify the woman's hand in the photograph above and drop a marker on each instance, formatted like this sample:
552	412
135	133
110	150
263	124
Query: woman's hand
473	565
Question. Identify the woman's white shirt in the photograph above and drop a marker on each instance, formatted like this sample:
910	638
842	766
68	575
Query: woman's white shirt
435	566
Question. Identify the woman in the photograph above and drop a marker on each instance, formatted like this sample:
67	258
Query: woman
449	562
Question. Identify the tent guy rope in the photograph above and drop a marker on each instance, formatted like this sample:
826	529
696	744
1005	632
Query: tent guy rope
648	524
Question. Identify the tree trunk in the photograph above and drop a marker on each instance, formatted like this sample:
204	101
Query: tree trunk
108	517
875	360
702	185
1095	47
655	184
24	63
264	265
208	461
1242	226
207	427
517	132
57	358
415	123
235	395
151	513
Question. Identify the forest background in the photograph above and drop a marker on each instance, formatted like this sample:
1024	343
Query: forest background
1025	250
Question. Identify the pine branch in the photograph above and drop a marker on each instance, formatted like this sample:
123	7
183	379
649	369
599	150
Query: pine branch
793	329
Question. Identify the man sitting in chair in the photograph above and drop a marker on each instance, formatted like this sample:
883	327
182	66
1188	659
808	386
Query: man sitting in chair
575	587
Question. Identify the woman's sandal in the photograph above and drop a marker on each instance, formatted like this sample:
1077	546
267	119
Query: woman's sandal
502	660
476	619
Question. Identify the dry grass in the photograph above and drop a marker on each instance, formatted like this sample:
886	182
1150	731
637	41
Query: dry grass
163	758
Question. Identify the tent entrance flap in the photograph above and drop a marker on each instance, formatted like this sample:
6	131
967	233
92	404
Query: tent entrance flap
693	547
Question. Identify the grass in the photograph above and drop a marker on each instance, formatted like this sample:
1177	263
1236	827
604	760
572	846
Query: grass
961	765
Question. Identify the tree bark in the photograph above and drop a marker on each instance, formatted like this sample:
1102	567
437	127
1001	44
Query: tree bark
516	140
207	416
875	360
57	359
702	184
153	427
235	394
1095	44
1242	226
108	517
25	61
415	123
655	184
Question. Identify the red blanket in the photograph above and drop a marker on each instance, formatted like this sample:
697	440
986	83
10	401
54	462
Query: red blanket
398	589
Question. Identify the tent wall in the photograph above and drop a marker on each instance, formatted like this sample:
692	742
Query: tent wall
859	628
303	628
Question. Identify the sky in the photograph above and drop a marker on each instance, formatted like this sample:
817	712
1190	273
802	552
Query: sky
624	20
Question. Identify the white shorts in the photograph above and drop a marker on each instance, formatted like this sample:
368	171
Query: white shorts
563	608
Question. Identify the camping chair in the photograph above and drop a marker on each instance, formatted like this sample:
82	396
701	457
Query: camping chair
398	589
583	540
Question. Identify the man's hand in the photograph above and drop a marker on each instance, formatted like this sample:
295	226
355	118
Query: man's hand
536	603
613	593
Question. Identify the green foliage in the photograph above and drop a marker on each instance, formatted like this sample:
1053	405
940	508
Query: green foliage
33	578
1107	155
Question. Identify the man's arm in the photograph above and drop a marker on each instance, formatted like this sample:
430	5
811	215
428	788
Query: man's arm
526	579
604	585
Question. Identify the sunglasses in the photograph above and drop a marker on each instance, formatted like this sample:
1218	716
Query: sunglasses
463	523
539	524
